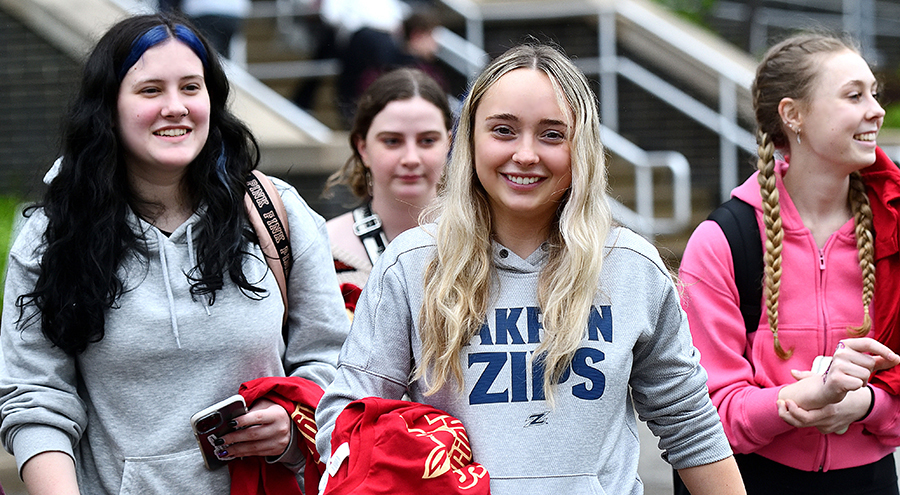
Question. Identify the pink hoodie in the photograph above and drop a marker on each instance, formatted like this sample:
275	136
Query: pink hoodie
821	296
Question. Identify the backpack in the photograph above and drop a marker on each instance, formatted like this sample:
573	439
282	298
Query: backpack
737	219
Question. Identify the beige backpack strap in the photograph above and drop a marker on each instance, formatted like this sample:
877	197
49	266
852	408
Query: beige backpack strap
269	219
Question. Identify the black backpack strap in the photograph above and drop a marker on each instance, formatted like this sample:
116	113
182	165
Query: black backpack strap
737	219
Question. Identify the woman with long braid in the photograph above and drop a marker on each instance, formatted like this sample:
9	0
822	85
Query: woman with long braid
800	426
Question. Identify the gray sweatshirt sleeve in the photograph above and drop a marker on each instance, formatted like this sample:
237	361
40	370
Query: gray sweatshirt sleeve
317	320
40	410
669	388
377	358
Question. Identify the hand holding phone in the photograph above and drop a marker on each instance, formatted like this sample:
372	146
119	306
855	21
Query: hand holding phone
212	423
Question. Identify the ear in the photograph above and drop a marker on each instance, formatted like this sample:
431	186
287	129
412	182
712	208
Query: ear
361	149
791	113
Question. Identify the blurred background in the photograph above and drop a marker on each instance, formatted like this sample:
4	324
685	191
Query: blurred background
672	78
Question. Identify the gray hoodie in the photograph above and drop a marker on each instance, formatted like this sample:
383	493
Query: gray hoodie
122	408
636	352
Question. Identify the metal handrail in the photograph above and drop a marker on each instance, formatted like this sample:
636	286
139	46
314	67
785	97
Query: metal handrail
643	219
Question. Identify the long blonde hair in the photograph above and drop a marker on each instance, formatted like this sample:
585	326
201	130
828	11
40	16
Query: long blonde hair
789	69
458	279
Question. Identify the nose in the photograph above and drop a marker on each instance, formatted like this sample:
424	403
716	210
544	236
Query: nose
174	107
410	156
876	110
525	153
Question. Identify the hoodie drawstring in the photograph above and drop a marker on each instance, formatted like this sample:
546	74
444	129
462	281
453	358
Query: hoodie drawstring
165	270
193	258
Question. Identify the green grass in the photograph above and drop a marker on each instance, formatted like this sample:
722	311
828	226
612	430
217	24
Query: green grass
8	210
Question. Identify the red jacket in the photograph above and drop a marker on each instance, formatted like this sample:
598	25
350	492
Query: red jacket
882	180
299	397
393	447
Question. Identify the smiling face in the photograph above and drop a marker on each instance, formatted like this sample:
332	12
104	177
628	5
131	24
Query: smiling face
842	118
405	150
521	149
163	110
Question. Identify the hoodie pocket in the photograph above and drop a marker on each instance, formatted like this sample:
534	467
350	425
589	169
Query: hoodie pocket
180	472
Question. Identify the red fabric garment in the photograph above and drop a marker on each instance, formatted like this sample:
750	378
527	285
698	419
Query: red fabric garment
398	447
351	296
883	187
299	397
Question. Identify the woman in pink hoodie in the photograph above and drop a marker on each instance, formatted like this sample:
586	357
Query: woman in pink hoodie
799	429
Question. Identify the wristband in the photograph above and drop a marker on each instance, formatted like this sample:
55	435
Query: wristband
871	404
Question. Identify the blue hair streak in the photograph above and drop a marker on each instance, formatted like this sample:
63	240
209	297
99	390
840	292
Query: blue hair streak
157	35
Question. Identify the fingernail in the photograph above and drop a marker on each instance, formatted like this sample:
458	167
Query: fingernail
233	423
219	441
222	453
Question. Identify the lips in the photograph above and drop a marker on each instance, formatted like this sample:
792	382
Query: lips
520	180
172	132
409	178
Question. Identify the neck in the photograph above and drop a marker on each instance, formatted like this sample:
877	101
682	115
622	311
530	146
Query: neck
396	216
163	200
820	196
520	237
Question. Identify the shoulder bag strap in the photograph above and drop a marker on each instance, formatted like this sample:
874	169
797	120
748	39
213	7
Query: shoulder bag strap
269	219
367	226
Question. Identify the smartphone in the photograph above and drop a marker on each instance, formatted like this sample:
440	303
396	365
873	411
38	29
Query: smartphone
212	423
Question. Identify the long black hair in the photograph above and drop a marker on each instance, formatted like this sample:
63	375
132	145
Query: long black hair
88	203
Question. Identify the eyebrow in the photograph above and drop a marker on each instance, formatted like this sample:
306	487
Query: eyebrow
860	82
509	116
159	80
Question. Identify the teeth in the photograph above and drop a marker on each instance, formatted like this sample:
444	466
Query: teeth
868	136
172	132
523	181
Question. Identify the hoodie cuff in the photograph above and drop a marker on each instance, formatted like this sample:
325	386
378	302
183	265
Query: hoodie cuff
292	457
32	440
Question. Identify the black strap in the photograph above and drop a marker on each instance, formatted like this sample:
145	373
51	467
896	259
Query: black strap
367	226
737	219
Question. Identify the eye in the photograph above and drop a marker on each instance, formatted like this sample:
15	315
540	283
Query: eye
502	131
427	142
855	96
192	87
149	91
391	142
554	135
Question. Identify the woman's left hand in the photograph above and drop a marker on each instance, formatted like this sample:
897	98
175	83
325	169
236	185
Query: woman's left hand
265	430
833	418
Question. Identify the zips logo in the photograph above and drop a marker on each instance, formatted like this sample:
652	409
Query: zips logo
515	376
538	419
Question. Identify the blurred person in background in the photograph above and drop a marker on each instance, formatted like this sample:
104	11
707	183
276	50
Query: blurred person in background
218	20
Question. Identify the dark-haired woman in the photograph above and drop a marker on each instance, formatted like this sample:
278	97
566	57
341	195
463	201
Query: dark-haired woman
136	293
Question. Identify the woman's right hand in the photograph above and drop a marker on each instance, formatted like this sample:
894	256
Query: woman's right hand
853	363
50	473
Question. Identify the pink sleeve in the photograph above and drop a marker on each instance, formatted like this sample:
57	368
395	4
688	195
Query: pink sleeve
749	412
884	420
